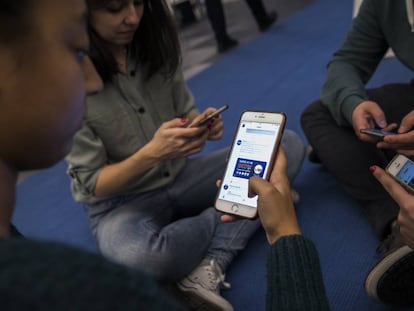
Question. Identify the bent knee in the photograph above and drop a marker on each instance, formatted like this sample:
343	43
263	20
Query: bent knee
164	267
315	109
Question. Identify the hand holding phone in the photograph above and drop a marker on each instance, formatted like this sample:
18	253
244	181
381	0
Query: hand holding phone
402	169
253	152
210	116
275	207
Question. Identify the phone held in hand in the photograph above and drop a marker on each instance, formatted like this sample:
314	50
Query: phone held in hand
402	169
253	152
210	116
376	132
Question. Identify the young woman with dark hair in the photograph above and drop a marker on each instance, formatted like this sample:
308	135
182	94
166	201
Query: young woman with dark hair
161	51
150	206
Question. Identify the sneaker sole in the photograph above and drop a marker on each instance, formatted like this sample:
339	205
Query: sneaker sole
376	275
197	302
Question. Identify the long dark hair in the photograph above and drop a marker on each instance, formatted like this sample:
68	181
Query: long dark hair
13	19
155	45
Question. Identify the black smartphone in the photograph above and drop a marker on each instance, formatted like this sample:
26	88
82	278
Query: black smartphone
210	116
376	132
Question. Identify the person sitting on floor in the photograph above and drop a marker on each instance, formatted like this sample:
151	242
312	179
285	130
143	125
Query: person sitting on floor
149	205
333	124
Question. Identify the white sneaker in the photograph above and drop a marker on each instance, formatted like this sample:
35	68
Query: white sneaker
391	280
201	288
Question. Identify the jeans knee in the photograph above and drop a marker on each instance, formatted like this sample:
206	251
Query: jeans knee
161	265
295	152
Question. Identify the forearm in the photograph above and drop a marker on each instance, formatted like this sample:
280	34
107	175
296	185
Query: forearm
343	90
116	178
354	63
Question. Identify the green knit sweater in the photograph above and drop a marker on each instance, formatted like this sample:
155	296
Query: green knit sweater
50	276
379	25
294	280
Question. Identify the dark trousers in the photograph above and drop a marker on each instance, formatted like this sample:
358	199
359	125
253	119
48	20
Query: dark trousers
215	13
14	232
349	159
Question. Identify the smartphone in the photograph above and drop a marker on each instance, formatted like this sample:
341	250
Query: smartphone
376	132
210	116
253	151
402	169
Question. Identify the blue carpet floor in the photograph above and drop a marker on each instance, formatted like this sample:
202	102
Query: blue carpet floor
281	70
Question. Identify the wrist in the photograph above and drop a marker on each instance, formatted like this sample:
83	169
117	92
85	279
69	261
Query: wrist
281	232
147	155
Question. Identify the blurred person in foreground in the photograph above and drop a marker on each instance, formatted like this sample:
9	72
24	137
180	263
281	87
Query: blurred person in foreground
44	78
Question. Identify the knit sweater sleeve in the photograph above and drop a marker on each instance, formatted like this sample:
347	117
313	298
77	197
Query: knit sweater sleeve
294	276
354	63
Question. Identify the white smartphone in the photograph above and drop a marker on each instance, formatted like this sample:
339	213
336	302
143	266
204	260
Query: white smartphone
402	169
253	151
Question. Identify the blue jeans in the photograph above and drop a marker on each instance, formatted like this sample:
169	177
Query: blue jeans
168	232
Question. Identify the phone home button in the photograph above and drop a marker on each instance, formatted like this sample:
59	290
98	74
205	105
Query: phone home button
234	208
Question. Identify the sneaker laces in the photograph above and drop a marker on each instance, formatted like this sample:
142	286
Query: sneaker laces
393	241
215	277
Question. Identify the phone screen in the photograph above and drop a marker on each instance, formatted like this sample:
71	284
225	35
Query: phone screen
406	174
252	150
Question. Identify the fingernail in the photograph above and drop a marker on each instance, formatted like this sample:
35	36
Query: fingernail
372	168
184	120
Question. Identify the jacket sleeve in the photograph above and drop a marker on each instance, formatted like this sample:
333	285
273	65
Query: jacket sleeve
354	63
294	280
86	159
